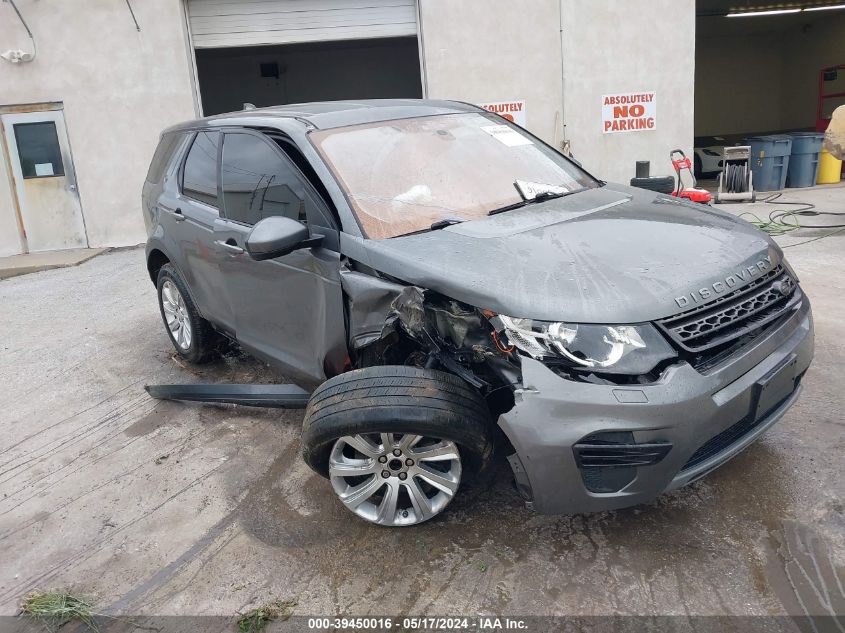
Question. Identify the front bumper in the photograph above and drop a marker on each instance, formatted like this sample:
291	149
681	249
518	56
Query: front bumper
707	417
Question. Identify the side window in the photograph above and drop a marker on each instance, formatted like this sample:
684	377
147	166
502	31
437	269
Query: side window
327	209
162	156
257	182
199	177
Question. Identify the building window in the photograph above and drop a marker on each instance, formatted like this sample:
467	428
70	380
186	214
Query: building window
38	149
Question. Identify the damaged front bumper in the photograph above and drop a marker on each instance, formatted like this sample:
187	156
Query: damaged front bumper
586	447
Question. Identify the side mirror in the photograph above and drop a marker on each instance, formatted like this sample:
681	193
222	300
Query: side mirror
277	236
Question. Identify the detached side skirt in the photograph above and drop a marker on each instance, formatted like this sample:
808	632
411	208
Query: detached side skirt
269	396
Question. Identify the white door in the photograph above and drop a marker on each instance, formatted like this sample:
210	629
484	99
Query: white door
44	180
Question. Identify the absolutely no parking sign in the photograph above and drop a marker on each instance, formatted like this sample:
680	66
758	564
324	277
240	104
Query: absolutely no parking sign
629	112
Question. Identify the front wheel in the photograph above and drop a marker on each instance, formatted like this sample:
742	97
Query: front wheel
395	442
395	478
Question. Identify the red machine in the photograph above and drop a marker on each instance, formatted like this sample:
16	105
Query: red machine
696	194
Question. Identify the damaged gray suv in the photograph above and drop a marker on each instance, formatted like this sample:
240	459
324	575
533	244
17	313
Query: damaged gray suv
450	288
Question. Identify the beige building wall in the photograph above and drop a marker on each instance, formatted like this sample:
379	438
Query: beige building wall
561	56
612	47
10	242
120	88
495	50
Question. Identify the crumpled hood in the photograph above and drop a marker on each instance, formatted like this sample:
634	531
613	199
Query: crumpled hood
608	255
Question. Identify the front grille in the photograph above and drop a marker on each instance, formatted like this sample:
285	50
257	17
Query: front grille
723	440
734	315
732	434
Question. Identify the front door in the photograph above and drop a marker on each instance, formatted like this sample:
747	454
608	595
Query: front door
44	179
288	310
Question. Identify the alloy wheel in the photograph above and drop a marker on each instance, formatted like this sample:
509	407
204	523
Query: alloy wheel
394	478
176	315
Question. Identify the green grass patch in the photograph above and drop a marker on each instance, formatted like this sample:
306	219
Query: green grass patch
258	619
54	609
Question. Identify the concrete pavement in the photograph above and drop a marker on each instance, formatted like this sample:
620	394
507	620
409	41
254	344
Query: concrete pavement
170	508
15	265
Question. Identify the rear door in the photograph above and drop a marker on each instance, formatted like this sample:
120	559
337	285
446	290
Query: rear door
287	310
188	214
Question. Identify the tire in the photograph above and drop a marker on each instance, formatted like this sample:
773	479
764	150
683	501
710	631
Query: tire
660	184
365	406
697	167
202	343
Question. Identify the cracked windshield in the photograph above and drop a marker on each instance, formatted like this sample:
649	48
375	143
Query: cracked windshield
419	174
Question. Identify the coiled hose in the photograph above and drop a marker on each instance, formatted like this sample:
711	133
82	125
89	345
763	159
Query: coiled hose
736	177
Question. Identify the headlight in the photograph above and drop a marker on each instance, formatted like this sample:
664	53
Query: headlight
616	349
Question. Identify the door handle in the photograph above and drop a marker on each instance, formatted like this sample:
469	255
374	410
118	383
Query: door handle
177	215
229	246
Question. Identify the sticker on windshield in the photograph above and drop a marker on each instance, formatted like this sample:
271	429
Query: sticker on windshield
534	190
506	135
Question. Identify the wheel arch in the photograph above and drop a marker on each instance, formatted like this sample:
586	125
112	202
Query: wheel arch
156	259
382	388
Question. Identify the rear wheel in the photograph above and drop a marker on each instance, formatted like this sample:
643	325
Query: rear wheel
395	442
192	336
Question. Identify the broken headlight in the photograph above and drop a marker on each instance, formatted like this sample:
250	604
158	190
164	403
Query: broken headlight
616	349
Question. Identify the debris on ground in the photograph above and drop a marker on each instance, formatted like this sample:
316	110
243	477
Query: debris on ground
257	619
54	609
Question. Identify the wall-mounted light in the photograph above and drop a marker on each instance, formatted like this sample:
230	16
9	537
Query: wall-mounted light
16	56
832	6
750	14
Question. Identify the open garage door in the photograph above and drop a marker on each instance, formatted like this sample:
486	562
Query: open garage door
760	68
273	52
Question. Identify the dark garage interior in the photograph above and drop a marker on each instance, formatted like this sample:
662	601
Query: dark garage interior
318	71
759	73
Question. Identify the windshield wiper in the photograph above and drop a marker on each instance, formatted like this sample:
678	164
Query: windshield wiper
442	224
541	196
436	226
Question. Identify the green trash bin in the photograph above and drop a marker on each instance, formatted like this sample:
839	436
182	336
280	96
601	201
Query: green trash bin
804	159
770	160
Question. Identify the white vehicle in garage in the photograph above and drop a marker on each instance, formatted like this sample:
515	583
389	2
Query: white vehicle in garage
708	156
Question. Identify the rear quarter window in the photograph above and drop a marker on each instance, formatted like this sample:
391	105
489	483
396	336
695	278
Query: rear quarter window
163	154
